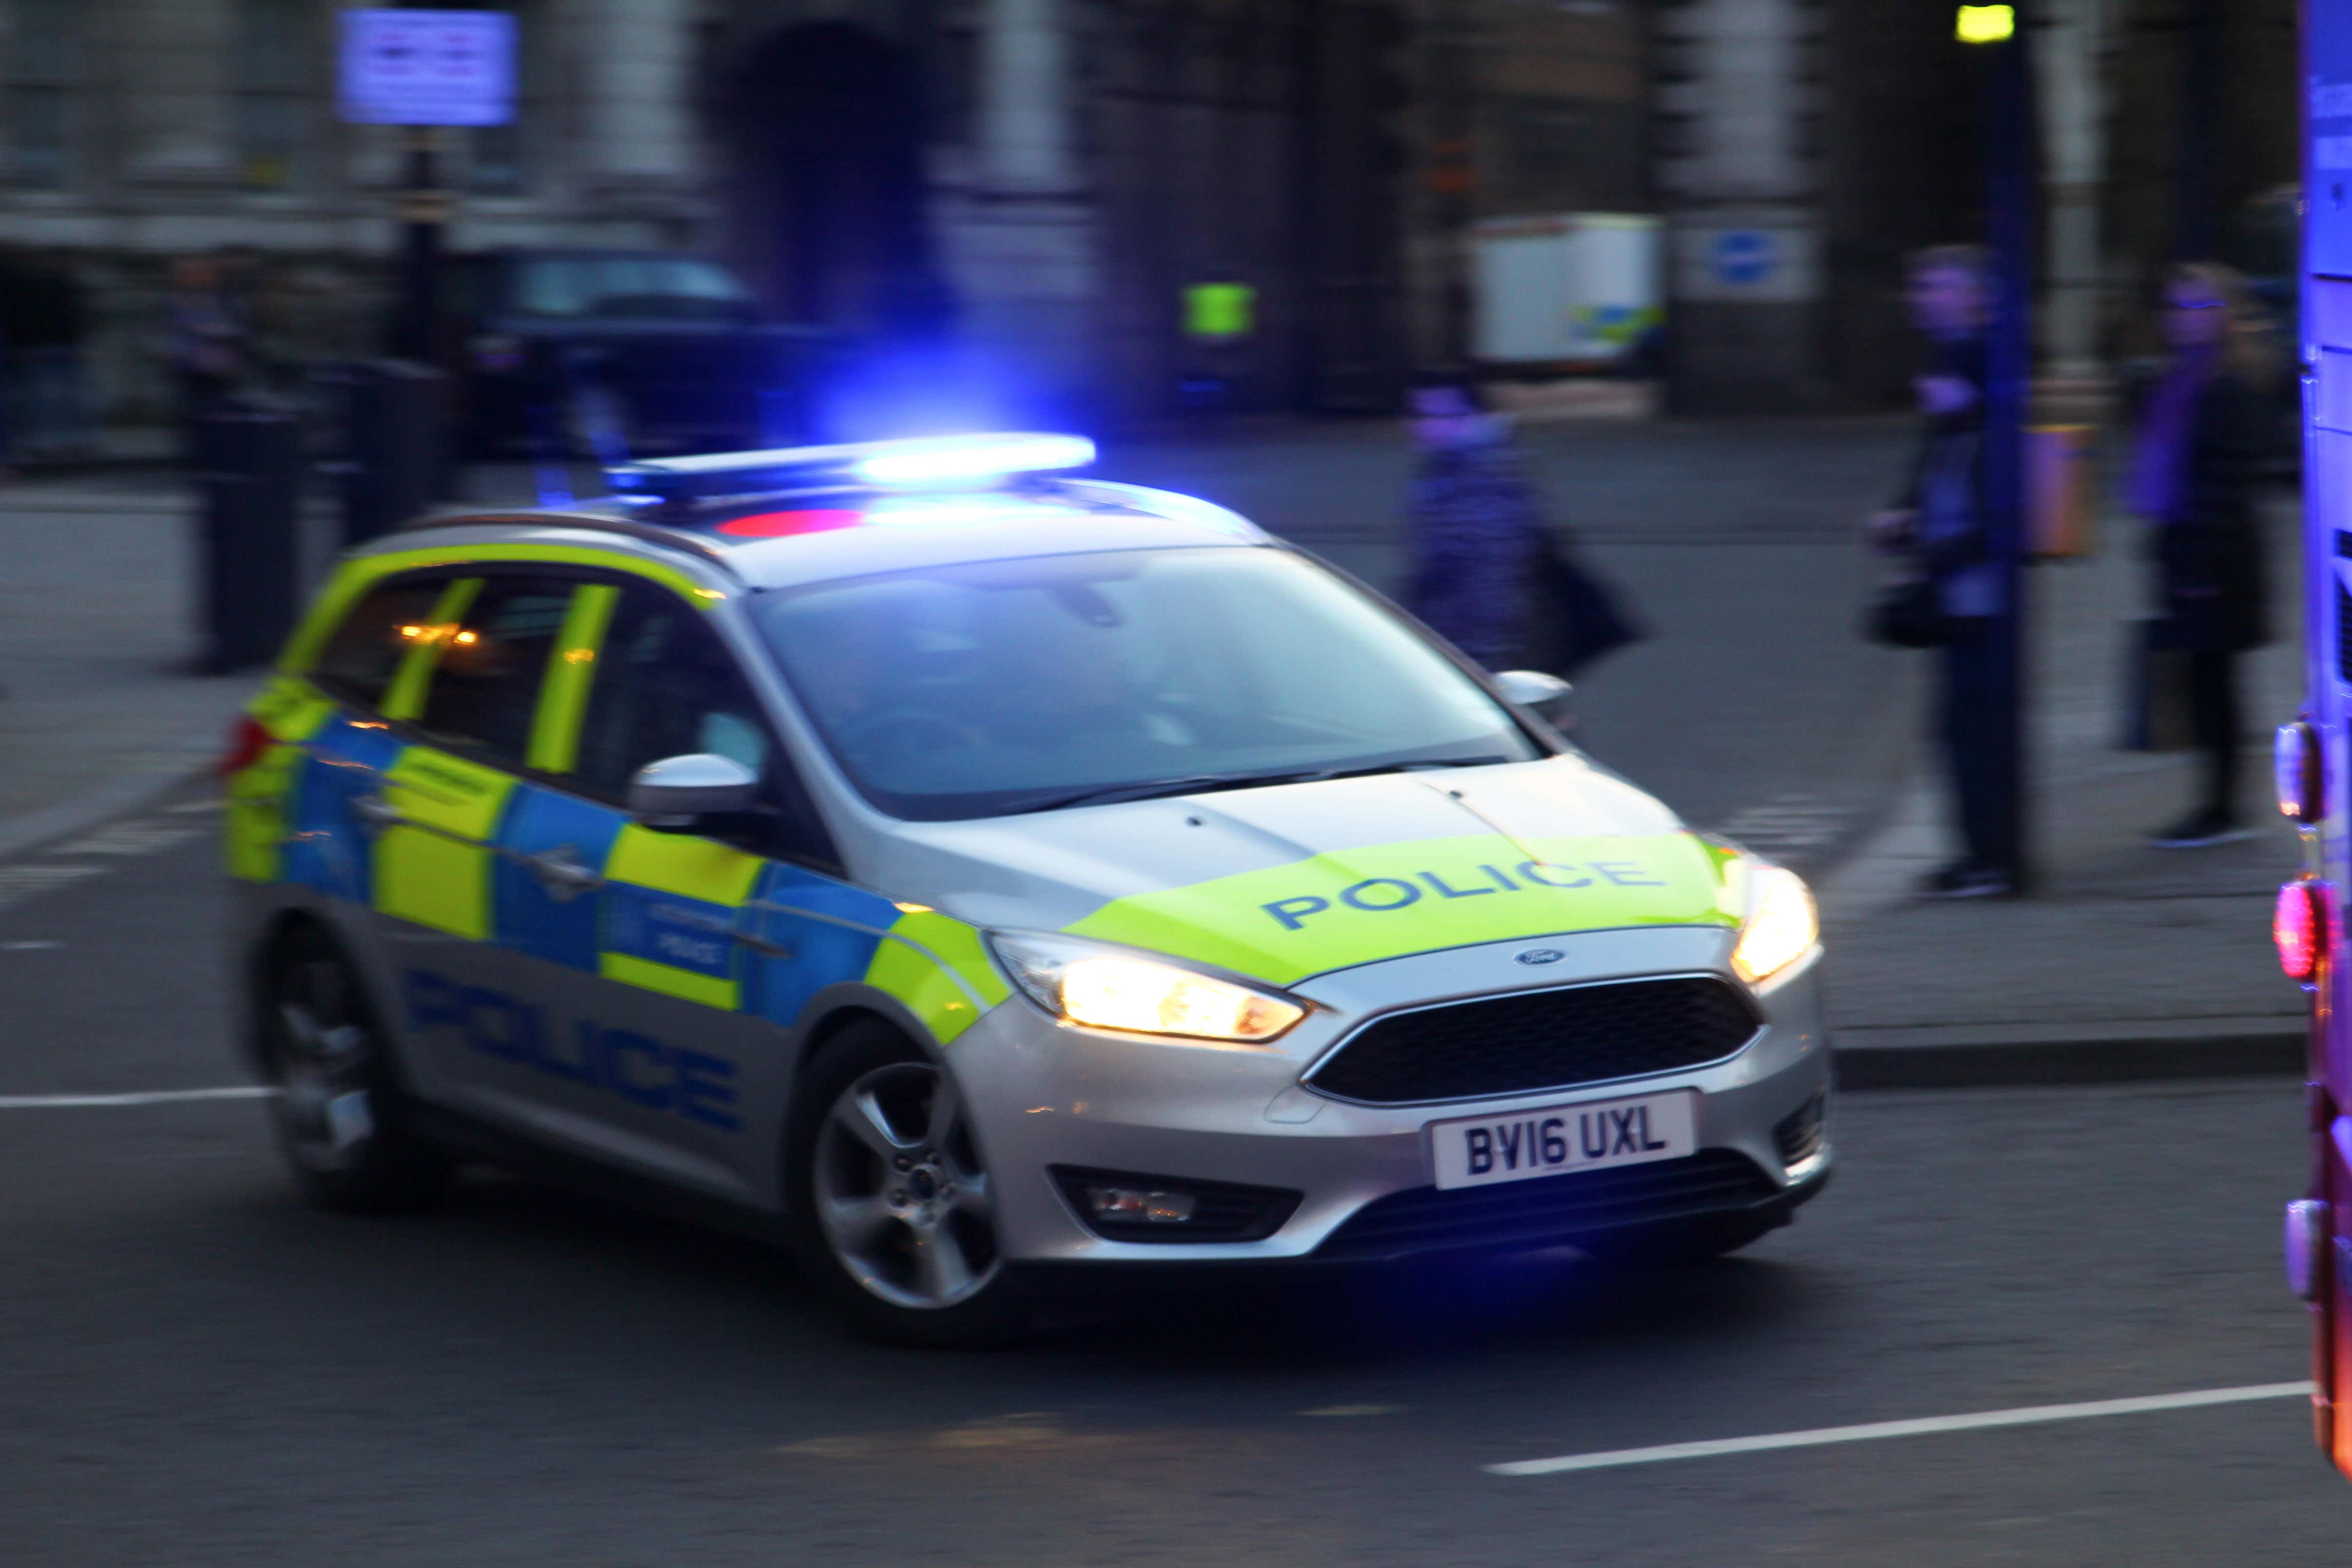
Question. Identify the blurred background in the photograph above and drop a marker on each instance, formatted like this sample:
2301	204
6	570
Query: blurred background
1135	210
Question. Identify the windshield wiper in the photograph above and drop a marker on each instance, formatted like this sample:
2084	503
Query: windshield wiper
1203	784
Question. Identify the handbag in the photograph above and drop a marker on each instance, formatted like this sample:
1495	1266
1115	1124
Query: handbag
2158	715
1907	615
1574	617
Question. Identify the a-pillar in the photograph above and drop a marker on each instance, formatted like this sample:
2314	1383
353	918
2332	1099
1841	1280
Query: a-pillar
1744	284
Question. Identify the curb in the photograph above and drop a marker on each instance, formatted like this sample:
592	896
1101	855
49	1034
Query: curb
2006	1055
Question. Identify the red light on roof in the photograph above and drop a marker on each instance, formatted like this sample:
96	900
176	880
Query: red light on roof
2299	926
784	525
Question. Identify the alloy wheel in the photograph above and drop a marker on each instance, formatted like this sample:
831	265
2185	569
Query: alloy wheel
899	1190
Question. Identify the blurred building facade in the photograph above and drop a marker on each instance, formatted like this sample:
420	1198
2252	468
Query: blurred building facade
1038	183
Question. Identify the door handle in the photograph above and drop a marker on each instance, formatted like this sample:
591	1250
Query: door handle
374	810
562	876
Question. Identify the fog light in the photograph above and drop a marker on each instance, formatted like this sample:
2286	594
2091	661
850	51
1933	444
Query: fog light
1129	1204
2299	927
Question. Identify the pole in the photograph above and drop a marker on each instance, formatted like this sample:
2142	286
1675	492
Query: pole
425	208
2009	370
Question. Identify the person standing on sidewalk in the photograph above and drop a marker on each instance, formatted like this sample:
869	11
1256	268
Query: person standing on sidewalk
207	348
1472	523
1936	525
2194	464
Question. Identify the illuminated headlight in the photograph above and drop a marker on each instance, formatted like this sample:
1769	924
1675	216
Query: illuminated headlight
1782	925
1101	989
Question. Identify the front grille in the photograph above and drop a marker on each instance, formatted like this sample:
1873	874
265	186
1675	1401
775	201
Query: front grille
1539	1040
1222	1211
1799	1133
1549	1209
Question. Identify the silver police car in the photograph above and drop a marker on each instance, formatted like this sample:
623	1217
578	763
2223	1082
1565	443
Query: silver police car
981	875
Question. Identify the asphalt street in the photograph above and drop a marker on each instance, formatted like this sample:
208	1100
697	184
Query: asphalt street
200	1370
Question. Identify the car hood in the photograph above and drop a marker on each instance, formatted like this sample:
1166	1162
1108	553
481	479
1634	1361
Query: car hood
1291	881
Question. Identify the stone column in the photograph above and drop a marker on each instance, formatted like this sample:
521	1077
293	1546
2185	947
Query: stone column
634	59
171	87
1021	237
1745	285
2068	45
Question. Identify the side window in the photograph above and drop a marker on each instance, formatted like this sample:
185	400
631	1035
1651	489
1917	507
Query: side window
366	650
665	686
485	688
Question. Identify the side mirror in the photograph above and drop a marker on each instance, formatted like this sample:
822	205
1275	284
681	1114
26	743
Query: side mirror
673	793
1545	695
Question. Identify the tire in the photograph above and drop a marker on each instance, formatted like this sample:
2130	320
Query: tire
338	1113
891	1208
1681	1242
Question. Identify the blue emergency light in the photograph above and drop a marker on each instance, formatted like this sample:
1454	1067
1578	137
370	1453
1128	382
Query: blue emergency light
960	460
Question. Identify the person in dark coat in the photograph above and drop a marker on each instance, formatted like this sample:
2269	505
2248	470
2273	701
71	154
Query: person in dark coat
1474	525
2195	460
1935	526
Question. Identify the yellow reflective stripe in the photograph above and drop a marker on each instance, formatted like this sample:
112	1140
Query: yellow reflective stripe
1346	907
684	864
434	881
291	709
358	575
646	975
253	826
564	699
406	697
936	967
447	792
434	866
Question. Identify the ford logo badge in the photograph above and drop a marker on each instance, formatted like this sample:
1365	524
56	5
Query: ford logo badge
1542	955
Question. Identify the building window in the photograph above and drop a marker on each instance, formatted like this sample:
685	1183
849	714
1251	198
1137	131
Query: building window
44	55
275	56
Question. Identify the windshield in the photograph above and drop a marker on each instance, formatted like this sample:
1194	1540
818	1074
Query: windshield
664	287
981	690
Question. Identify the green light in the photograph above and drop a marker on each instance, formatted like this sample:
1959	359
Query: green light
1986	24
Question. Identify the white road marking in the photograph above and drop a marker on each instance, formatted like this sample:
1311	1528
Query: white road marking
132	838
2029	1415
27	946
18	883
155	1097
210	803
1354	1410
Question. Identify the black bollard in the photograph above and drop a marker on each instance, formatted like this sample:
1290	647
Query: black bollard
250	467
397	462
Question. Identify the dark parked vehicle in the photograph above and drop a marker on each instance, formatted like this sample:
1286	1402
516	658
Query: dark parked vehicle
618	353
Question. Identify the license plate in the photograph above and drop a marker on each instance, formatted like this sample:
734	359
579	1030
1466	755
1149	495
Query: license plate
1478	1151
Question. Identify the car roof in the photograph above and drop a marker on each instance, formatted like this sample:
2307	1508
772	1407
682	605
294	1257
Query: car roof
822	534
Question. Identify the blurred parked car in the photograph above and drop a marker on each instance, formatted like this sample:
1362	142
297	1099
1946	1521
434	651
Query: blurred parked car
616	353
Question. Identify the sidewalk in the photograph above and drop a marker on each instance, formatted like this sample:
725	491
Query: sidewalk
99	713
2127	961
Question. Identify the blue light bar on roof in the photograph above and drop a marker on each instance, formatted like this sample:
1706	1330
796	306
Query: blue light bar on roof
927	460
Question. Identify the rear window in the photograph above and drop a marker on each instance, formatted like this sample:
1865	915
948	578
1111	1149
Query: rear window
366	650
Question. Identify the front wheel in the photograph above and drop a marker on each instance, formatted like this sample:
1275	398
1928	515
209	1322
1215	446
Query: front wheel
337	1111
892	1212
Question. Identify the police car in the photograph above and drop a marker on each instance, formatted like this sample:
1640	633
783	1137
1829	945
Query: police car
982	874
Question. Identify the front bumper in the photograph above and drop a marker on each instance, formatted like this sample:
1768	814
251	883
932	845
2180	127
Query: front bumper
1046	1096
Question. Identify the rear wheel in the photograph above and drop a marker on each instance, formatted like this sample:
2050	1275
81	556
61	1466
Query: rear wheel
894	1213
338	1111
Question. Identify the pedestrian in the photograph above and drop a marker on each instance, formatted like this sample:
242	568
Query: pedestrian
1948	593
46	325
1473	523
2195	458
207	348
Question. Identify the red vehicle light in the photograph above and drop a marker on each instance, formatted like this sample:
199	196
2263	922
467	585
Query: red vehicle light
246	741
2299	926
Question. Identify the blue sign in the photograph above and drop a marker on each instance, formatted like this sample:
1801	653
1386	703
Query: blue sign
1743	256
